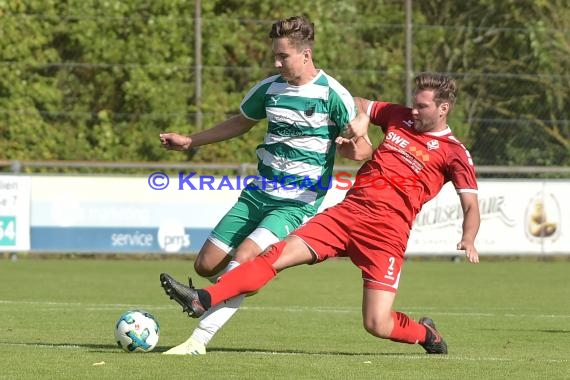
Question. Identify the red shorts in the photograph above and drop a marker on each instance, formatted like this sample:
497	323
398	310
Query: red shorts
374	241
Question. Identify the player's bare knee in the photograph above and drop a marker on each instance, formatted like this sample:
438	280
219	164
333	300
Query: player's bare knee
207	268
248	250
203	270
245	255
210	260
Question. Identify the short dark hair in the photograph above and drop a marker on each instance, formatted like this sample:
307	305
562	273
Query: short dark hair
444	87
298	29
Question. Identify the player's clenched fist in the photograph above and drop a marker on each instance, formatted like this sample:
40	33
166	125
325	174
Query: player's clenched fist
175	141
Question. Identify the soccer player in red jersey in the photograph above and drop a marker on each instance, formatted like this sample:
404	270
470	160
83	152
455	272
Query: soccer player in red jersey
372	224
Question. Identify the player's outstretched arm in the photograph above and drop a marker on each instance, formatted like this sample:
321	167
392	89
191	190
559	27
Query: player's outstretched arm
232	127
358	127
471	222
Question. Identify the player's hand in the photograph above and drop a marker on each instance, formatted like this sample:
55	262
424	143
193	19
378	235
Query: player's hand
175	141
343	141
358	127
470	251
346	147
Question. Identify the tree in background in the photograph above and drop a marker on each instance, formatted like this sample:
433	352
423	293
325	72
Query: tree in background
512	60
91	80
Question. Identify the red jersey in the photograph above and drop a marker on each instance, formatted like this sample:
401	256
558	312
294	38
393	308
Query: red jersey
409	168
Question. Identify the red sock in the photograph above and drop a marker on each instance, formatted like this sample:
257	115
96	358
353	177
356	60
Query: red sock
246	278
406	330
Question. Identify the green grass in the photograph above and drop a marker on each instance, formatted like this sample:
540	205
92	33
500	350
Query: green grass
501	320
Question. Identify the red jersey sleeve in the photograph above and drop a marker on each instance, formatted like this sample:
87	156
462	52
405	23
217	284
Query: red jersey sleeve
381	112
461	170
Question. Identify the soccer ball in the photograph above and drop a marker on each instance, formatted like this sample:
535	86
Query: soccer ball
137	331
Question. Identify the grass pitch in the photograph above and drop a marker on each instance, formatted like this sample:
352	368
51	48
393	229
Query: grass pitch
501	319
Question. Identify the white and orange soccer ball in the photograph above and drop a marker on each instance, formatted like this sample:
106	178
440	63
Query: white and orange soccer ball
137	331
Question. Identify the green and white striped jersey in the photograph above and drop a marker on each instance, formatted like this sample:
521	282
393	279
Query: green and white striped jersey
297	155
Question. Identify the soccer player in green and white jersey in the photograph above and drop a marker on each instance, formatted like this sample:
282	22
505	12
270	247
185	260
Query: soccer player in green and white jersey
306	110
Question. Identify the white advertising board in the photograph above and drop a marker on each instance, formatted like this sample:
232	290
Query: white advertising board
14	213
517	217
124	214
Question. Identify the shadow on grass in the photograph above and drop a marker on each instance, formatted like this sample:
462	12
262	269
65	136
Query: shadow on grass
159	350
249	350
99	347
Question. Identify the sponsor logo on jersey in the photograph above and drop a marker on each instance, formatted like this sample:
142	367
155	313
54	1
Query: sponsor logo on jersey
433	144
397	139
310	109
420	154
286	130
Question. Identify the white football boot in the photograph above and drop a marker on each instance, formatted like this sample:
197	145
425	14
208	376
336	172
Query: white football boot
190	347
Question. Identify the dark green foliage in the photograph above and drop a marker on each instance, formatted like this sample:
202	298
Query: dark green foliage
92	80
